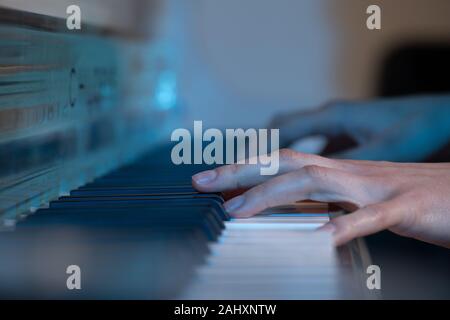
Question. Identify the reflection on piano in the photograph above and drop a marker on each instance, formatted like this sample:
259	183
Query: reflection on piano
84	183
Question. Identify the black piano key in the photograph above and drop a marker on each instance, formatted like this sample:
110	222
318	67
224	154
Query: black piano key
149	219
97	191
143	202
154	210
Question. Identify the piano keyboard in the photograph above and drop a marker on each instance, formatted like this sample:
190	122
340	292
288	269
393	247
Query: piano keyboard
143	232
269	258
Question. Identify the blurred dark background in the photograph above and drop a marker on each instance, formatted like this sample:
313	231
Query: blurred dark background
411	268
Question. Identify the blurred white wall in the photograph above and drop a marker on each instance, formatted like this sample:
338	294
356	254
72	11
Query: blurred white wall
242	61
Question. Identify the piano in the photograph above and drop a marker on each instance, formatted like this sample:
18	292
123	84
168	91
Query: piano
86	181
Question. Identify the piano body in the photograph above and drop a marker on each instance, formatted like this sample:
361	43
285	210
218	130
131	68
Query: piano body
87	181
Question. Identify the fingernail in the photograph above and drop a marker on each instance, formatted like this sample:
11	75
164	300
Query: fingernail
329	227
204	177
234	204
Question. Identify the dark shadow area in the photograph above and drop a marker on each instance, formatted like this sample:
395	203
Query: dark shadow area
416	69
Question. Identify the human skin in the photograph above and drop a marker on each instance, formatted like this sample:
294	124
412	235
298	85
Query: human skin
410	199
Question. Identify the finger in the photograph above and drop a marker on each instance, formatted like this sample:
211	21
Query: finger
377	168
365	221
238	176
327	121
309	183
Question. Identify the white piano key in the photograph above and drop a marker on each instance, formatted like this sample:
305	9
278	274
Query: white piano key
269	257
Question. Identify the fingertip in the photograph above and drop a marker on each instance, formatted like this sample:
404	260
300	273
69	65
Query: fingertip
340	238
328	227
240	215
232	206
203	180
235	215
240	208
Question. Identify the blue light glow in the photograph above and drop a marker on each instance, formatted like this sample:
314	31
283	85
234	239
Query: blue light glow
166	91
